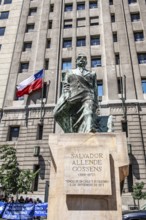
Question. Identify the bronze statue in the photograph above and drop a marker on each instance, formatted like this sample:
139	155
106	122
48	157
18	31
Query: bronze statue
75	111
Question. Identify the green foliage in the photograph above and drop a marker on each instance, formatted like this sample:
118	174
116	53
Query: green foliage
137	191
12	179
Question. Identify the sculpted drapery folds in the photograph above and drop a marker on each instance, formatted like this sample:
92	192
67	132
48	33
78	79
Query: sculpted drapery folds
75	111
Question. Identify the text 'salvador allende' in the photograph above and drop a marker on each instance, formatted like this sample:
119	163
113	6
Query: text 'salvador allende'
91	162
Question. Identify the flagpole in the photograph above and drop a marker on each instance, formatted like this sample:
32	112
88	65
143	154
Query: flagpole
42	93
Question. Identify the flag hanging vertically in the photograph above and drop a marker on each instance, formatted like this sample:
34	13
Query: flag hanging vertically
30	84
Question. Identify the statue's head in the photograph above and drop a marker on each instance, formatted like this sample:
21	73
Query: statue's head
81	60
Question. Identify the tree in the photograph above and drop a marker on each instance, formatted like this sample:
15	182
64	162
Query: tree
137	192
14	180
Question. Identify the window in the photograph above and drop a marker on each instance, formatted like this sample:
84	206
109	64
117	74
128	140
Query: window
80	22
36	167
141	58
51	7
40	132
130	180
95	61
115	39
112	18
81	42
0	46
13	133
132	1
7	1
48	43
95	40
94	21
68	7
46	64
143	83
27	46
32	11
45	90
138	36
68	23
29	28
93	4
24	67
4	15
99	88
125	127
66	64
120	85
117	59
67	43
110	2
2	31
80	5
50	25
135	17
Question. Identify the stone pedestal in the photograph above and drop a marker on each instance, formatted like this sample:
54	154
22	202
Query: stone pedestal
86	171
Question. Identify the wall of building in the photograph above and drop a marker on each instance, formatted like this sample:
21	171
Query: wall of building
8	41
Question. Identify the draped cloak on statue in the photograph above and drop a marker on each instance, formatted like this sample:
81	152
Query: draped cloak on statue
76	108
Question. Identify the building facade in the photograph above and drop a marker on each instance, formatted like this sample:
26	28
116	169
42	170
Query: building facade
50	34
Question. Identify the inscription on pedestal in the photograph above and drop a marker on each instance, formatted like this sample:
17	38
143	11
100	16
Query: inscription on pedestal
87	171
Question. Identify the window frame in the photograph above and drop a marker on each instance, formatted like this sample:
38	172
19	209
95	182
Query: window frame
31	12
120	85
67	24
99	87
133	16
52	7
35	183
115	37
91	4
143	85
80	6
70	8
141	58
23	70
132	2
81	20
3	13
11	135
138	36
7	2
25	48
113	19
97	59
117	59
81	42
68	42
48	43
46	64
111	2
67	62
93	21
50	24
2	31
95	38
40	131
30	28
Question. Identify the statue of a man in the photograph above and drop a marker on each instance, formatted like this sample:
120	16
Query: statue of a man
76	108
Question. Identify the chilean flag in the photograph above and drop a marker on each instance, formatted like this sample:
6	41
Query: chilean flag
30	84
